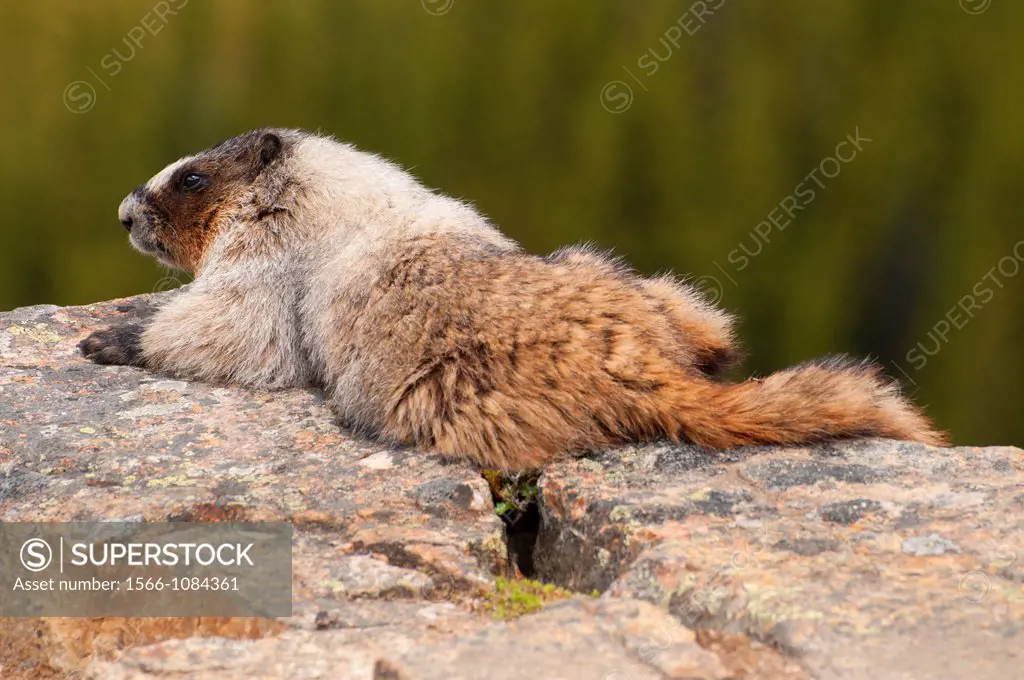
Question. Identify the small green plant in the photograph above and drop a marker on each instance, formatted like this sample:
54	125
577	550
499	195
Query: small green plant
513	493
511	598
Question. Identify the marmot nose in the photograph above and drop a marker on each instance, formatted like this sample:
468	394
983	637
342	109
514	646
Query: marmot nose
126	211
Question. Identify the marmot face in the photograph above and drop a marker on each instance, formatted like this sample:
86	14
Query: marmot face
176	216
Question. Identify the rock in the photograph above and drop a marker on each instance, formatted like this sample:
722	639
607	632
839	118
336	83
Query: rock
932	544
872	559
580	638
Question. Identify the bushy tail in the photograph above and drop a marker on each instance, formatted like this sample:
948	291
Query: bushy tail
827	399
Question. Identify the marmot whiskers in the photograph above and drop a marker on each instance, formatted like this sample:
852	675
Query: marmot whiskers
318	264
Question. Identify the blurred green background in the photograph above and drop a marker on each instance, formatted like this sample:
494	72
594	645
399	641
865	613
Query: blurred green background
515	106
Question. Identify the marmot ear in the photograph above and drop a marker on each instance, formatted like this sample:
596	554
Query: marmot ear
270	148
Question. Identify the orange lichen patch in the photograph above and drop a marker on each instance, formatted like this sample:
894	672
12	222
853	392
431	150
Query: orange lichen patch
310	438
745	658
159	396
211	512
58	647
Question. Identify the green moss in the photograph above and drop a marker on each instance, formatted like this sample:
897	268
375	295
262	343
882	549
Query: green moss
511	598
513	493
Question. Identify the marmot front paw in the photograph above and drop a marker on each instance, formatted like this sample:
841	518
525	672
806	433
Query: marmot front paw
118	345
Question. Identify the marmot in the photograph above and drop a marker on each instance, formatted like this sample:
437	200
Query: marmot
319	264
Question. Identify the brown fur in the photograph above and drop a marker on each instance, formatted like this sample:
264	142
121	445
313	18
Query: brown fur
319	264
515	359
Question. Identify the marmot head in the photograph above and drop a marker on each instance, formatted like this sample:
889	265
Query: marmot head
274	187
176	216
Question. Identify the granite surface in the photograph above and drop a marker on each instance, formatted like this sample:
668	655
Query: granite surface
873	559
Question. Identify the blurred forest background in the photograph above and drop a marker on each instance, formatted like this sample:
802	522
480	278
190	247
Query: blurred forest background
581	120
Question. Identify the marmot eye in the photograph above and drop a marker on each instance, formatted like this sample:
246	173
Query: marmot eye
192	180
